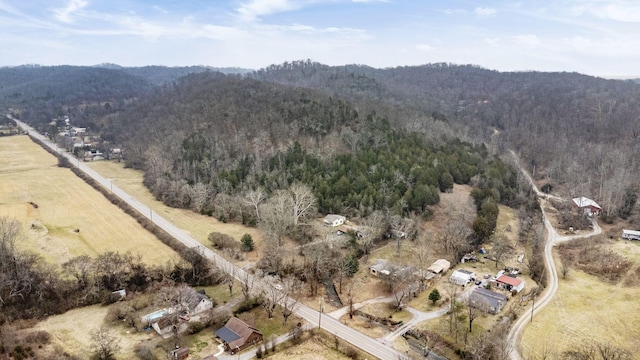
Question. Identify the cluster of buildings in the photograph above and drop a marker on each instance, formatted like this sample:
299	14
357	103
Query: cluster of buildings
235	336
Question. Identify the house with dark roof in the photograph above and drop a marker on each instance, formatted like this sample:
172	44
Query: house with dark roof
237	335
487	300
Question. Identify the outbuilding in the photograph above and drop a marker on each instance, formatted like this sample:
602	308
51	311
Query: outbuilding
462	277
440	266
630	235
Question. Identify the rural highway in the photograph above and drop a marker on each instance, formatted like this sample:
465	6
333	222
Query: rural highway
552	239
334	326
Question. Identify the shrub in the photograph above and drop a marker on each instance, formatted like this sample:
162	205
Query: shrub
195	327
247	305
247	242
222	241
144	351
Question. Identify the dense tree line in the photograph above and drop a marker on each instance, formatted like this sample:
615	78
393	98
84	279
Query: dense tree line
32	288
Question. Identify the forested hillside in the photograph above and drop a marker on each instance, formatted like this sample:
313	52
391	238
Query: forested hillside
212	136
39	94
577	130
579	133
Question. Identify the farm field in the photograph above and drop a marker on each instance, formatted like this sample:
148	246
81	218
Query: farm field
196	225
586	309
62	216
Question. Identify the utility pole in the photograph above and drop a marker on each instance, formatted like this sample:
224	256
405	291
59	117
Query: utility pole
321	302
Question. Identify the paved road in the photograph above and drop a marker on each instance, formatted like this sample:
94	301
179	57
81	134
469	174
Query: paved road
552	239
364	342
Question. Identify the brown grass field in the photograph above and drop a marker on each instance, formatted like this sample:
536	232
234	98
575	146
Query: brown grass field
586	309
65	203
196	225
71	331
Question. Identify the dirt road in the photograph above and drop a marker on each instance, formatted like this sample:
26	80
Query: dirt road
552	239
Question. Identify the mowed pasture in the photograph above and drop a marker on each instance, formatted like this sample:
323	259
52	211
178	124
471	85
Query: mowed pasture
62	216
196	225
587	310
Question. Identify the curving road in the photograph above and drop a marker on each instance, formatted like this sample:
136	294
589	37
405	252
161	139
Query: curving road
334	326
552	239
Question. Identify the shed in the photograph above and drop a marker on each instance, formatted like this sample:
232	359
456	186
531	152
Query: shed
462	277
179	353
631	234
440	266
510	283
381	268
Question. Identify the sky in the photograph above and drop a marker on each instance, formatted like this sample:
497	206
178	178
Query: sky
594	37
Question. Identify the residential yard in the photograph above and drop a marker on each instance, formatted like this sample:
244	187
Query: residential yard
71	331
62	216
586	309
197	225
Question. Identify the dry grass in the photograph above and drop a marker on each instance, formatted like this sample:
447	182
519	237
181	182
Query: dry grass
65	203
584	310
71	331
196	225
310	349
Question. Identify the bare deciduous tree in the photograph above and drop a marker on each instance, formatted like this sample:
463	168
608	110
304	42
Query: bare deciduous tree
105	344
255	198
246	284
501	248
303	201
269	299
290	292
276	215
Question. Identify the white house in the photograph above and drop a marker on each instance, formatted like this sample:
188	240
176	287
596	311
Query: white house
631	235
462	277
334	220
510	283
587	206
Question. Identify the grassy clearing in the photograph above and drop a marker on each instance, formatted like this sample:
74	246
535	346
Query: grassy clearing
196	225
63	203
71	331
585	310
310	349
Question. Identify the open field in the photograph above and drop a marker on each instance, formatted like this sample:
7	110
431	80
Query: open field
586	309
71	331
62	216
196	225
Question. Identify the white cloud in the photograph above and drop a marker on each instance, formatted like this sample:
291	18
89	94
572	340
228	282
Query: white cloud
424	47
484	12
527	39
257	8
73	6
369	1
